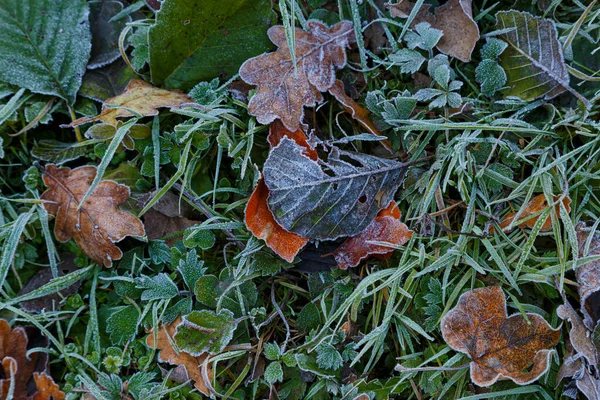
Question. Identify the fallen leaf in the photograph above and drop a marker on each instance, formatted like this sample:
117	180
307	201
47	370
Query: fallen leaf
168	216
386	227
44	276
105	32
454	19
534	61
99	223
578	335
23	368
537	205
284	88
588	276
500	346
140	97
259	219
330	198
193	365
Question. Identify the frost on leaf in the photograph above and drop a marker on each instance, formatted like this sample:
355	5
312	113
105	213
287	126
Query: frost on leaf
500	346
139	96
588	275
99	223
454	19
259	218
534	61
162	339
284	88
327	199
386	227
25	373
205	331
532	213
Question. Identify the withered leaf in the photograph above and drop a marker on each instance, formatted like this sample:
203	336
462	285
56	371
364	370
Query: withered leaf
588	276
535	206
284	88
500	346
327	199
259	218
99	223
386	227
167	217
140	97
23	369
193	365
454	19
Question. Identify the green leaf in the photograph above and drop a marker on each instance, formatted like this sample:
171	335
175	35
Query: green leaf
328	357
205	330
309	318
105	33
195	41
491	76
492	49
157	287
122	324
272	351
102	83
329	199
410	61
206	290
424	38
274	373
191	269
59	152
533	61
44	45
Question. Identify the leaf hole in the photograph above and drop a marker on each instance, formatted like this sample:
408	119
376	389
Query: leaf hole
362	199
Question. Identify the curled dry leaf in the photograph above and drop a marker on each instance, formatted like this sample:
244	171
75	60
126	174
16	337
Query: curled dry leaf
500	346
454	19
357	111
259	218
99	223
285	87
386	227
537	205
140	97
588	276
193	365
23	370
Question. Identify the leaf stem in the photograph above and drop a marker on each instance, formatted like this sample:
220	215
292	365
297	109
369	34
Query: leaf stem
73	118
403	369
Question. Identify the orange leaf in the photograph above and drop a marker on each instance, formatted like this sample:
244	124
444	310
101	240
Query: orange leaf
284	88
500	347
140	97
386	227
259	219
99	223
536	205
193	365
47	389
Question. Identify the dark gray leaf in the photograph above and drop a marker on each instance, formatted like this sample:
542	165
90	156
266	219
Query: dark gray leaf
102	83
58	152
328	199
105	33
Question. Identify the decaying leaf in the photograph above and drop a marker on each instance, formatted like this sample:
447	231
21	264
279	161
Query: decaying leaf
534	61
193	365
588	276
140	97
284	88
386	227
259	218
454	19
26	372
500	346
328	199
168	216
537	205
99	223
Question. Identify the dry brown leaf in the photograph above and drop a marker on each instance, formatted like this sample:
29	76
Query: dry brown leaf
47	389
588	276
500	347
386	227
167	217
259	218
283	89
536	205
193	365
140	97
454	19
99	223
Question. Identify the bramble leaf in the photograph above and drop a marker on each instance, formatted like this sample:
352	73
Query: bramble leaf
205	331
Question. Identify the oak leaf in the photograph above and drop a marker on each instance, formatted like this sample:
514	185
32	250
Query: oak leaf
454	19
193	365
285	85
500	346
259	219
386	227
588	275
99	222
537	205
139	96
22	369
